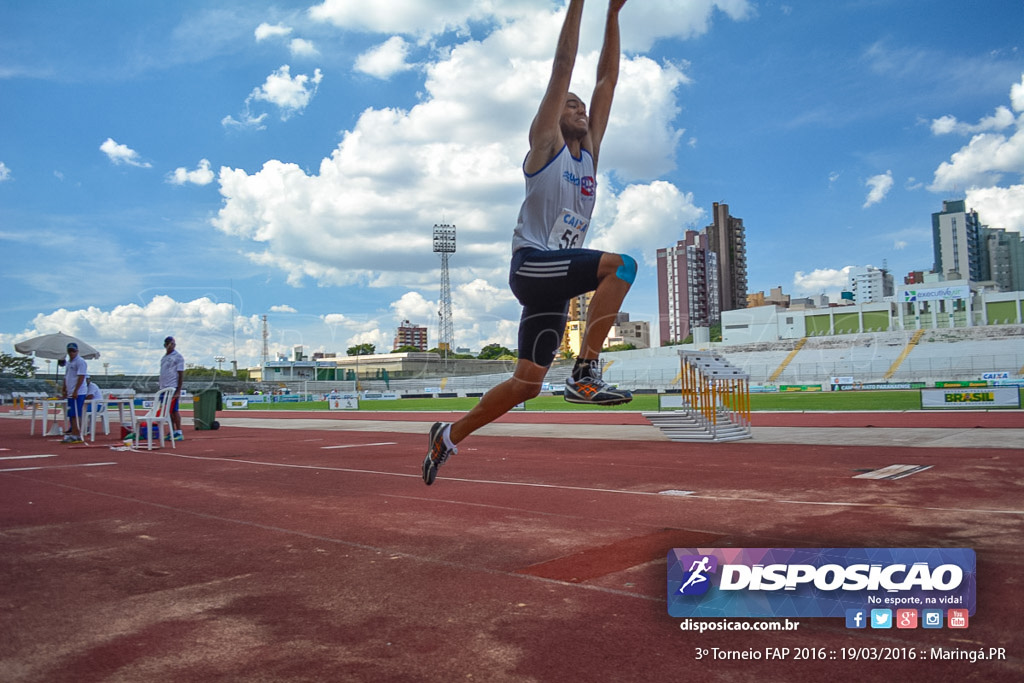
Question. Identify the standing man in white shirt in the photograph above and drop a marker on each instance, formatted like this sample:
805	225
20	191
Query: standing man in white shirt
172	374
75	375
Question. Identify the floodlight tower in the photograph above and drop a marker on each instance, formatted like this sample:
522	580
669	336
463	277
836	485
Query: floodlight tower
266	347
444	244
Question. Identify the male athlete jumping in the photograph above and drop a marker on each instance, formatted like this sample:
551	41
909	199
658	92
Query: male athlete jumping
549	264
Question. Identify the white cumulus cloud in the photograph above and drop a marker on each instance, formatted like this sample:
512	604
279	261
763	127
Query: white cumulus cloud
979	168
365	215
821	280
419	17
300	47
248	121
122	154
133	334
647	217
290	94
999	207
1001	120
265	30
880	185
385	60
982	162
1017	95
642	24
201	175
482	313
5	173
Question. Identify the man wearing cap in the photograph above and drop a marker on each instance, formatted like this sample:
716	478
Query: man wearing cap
75	375
172	374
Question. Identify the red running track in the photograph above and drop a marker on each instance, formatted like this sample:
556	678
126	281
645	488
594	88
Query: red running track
274	555
1006	419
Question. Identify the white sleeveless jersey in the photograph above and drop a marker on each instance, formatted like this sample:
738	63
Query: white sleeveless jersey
558	204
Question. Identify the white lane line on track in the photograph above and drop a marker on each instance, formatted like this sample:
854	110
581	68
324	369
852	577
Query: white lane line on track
58	467
562	487
361	445
27	457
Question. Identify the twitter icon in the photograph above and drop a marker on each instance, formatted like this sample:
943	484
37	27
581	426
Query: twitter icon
881	618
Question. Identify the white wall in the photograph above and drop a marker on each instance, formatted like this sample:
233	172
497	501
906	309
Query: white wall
761	324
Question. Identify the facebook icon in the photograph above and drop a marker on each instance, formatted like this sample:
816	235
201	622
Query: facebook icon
856	618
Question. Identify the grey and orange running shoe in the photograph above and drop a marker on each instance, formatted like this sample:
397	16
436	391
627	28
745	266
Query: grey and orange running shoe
437	454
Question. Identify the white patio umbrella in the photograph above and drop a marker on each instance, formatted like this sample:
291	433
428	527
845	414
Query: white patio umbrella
55	346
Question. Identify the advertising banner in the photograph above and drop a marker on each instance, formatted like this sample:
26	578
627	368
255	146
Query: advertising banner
970	398
936	293
345	403
877	386
818	582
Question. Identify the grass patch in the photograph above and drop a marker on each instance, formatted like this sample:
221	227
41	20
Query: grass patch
838	400
795	401
643	402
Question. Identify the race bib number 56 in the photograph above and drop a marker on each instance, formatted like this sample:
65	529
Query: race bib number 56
568	231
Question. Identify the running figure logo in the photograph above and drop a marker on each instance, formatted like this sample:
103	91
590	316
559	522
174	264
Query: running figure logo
696	581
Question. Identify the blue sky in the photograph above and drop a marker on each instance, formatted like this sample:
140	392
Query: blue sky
186	168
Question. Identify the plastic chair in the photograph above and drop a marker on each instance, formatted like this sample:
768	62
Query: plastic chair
96	409
158	417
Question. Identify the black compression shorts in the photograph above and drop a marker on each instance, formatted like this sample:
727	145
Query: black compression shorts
544	282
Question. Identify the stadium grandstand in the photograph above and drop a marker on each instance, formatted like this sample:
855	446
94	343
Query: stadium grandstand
944	354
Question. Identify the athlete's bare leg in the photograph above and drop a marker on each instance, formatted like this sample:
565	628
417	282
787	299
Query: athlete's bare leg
524	384
604	306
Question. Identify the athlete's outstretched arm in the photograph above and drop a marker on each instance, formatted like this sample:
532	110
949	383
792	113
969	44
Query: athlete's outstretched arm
607	78
545	132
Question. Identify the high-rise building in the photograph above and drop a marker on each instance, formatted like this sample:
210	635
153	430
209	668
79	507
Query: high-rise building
1004	258
636	333
688	294
871	284
579	306
410	335
727	238
964	248
576	326
1016	247
774	298
914	277
956	239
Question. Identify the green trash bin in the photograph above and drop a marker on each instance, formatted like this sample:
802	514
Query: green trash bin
205	405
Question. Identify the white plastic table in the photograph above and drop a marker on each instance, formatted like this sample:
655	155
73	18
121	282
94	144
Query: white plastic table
47	407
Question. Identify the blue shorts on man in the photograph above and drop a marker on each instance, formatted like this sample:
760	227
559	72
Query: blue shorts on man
76	406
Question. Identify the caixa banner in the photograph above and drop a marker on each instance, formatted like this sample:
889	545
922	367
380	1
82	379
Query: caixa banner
817	582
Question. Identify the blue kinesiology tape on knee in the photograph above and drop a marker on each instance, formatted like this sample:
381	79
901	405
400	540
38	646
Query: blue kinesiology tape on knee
627	271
